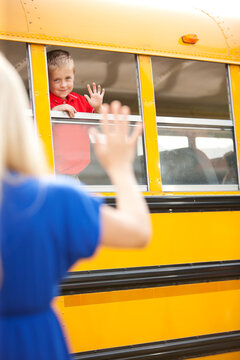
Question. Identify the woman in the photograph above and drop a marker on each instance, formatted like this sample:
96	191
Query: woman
45	222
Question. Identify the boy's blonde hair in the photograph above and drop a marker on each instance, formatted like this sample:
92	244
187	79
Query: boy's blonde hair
58	58
20	148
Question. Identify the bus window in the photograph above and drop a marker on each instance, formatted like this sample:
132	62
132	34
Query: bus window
171	142
16	53
197	156
190	89
74	154
73	148
220	150
195	131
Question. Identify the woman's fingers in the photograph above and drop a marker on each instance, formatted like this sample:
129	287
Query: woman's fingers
125	111
104	122
115	107
124	125
118	147
95	135
119	124
120	115
137	131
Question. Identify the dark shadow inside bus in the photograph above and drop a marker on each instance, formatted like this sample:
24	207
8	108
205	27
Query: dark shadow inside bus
187	166
94	173
16	53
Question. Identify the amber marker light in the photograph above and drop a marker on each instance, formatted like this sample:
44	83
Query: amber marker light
190	39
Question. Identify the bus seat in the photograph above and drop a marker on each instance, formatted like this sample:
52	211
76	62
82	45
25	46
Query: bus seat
231	173
220	166
186	166
94	174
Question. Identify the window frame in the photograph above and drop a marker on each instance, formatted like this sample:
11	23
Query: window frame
199	122
79	117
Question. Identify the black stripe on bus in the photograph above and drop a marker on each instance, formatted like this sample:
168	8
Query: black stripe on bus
169	204
184	348
81	282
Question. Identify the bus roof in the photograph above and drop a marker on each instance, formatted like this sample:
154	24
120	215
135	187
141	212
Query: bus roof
141	27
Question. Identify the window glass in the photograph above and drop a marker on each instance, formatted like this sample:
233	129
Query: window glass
16	53
214	147
115	72
193	89
169	142
74	154
195	129
73	148
209	158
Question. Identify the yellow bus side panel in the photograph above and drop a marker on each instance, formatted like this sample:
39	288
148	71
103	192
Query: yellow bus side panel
178	238
105	320
124	26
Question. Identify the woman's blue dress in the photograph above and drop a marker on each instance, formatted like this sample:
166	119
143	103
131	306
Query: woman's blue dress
45	226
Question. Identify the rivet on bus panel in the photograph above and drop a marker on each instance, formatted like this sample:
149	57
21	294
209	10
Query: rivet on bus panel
190	39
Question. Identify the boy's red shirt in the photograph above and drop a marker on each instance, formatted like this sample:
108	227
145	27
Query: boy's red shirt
71	141
77	101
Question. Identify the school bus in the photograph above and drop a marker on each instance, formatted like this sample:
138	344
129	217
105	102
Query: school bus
178	68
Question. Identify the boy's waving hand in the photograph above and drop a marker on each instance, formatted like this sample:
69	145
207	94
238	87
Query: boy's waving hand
96	97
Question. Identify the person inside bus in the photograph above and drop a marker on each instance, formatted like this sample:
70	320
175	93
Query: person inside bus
48	223
71	142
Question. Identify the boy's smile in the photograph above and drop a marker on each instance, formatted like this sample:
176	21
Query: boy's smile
61	80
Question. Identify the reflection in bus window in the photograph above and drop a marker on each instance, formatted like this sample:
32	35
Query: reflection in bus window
209	159
221	153
16	53
192	89
195	132
172	142
214	147
70	159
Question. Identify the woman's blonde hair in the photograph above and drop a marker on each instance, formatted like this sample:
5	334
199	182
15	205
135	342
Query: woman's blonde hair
20	148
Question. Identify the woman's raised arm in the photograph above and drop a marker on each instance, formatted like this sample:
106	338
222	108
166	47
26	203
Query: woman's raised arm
129	224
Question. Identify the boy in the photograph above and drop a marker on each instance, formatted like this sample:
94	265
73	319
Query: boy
71	141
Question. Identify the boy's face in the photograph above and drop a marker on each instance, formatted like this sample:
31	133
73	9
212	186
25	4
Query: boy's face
61	80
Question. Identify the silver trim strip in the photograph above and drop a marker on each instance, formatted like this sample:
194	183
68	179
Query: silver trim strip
194	121
109	188
78	121
192	188
140	103
229	87
31	89
88	116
